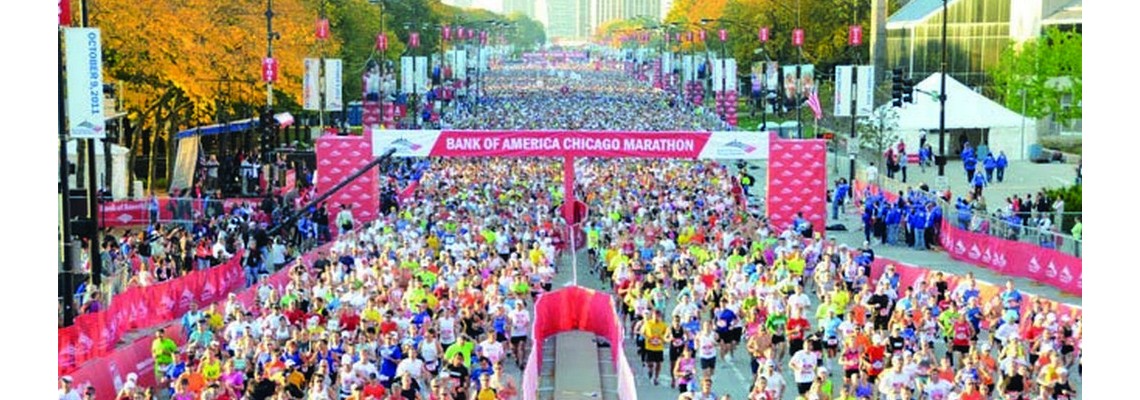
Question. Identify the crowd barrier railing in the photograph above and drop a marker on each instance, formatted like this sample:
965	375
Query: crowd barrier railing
108	373
1048	266
96	334
124	213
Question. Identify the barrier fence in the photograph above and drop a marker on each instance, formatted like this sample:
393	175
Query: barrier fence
108	372
113	214
1044	265
990	223
95	335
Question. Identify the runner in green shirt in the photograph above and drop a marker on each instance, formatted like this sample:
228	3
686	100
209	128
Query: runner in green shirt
163	349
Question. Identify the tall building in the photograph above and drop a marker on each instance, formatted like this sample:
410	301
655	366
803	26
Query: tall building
603	11
568	19
665	6
977	32
526	7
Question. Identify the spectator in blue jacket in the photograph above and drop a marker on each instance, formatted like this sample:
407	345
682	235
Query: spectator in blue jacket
894	217
989	164
1002	162
917	223
868	220
979	183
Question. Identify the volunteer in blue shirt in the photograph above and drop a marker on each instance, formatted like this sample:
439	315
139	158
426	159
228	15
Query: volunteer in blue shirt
1001	163
969	162
841	190
894	217
918	224
979	183
989	164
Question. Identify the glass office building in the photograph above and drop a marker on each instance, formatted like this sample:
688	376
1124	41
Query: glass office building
977	32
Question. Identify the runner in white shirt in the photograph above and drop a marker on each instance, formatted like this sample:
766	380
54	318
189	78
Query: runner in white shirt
492	349
447	328
803	364
520	328
707	349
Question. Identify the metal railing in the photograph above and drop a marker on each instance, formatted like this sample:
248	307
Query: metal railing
994	222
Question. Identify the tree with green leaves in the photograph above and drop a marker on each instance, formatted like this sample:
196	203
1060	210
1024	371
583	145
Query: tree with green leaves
1045	73
877	132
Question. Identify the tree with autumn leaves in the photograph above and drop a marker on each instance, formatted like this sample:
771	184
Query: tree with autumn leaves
185	63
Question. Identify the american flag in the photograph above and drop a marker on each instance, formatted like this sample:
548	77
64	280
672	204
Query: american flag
813	102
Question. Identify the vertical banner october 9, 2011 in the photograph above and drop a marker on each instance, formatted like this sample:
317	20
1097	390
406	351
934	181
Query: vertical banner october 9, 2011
85	118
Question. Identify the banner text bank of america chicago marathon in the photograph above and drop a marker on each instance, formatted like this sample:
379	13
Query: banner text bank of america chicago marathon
600	144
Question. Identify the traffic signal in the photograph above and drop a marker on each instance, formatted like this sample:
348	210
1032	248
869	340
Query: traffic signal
268	130
896	87
908	91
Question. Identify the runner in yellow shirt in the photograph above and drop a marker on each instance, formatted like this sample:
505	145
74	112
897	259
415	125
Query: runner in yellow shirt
654	330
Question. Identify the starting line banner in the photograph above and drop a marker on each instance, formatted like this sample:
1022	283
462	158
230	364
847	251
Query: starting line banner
608	144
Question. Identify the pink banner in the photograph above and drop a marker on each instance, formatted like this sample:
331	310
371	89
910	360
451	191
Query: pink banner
109	374
337	158
797	182
577	308
569	144
137	212
95	335
1047	266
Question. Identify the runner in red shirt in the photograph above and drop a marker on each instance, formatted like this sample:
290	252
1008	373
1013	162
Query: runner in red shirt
797	327
874	359
962	332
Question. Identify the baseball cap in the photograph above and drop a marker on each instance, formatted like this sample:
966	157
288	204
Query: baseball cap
66	378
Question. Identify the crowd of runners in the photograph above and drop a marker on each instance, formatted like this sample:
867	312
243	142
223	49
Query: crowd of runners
530	97
701	282
434	301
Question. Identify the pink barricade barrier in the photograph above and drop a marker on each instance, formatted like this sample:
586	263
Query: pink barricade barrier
109	373
114	214
95	335
577	308
1047	266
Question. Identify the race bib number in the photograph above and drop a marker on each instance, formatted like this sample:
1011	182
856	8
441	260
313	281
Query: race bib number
832	341
656	342
877	365
960	336
884	312
678	342
721	323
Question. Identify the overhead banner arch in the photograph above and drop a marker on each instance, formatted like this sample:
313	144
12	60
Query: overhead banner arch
604	144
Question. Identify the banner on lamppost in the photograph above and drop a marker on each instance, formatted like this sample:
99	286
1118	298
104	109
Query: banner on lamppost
382	42
333	85
763	34
790	81
323	28
723	35
85	118
730	74
446	32
807	79
414	40
843	95
865	92
757	77
460	64
421	75
310	85
717	76
798	37
855	35
687	70
772	76
702	34
268	70
407	75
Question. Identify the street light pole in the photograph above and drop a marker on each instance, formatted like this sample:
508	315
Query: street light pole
942	100
269	49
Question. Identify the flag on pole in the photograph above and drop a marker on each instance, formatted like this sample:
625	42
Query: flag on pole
813	102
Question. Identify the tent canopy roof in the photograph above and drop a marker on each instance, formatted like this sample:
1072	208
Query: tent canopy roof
965	108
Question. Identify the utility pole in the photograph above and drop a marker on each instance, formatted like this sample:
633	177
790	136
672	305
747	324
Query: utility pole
66	278
269	36
854	97
96	269
942	101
